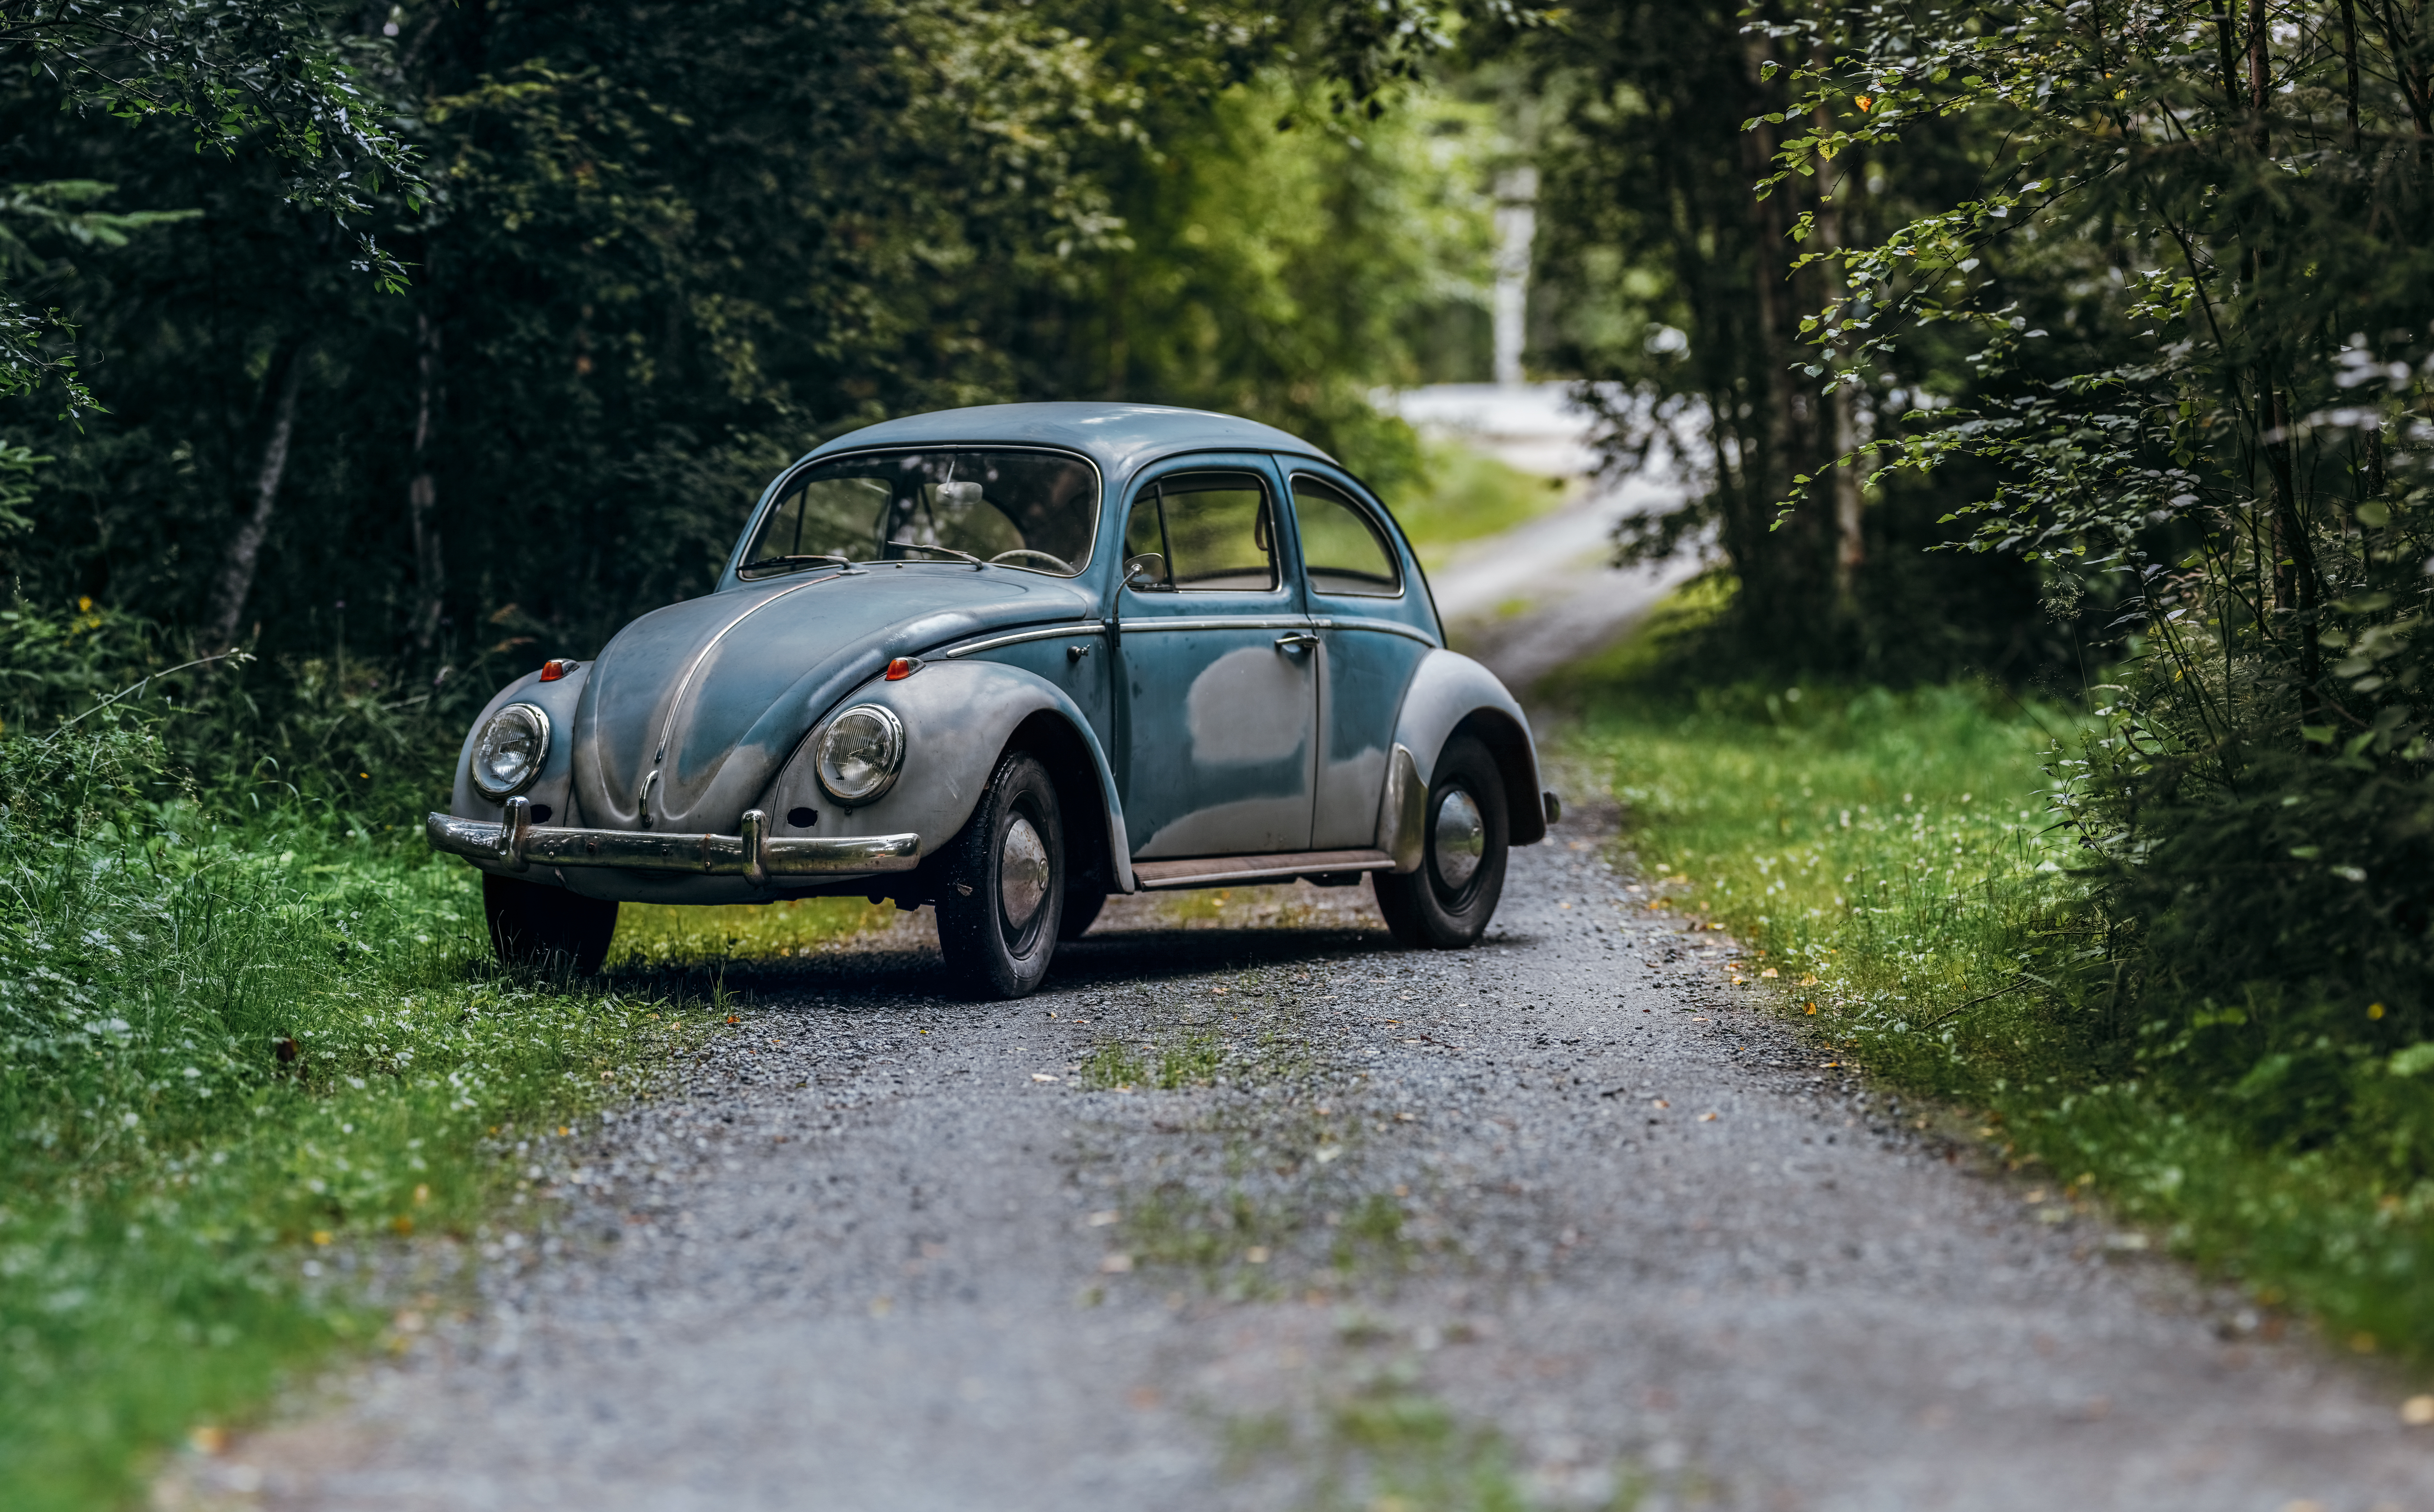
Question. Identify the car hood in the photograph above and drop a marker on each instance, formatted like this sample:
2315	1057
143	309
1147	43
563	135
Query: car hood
713	695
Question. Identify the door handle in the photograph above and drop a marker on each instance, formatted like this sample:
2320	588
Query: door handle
1298	641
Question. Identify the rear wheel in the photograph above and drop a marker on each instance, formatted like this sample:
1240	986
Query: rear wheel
1447	903
1004	878
540	927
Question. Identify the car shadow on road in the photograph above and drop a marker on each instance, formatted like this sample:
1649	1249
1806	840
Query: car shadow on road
917	979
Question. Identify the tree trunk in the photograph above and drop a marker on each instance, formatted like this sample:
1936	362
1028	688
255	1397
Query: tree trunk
422	495
245	548
1841	403
1783	574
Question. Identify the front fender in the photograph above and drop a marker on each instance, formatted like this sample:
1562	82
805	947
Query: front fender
1448	691
958	718
554	788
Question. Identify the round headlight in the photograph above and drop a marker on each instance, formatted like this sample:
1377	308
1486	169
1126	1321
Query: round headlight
508	751
860	752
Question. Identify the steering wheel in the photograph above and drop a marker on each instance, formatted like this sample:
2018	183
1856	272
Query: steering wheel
1057	562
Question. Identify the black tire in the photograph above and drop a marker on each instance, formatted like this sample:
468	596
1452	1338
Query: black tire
1447	903
1003	884
1083	902
538	927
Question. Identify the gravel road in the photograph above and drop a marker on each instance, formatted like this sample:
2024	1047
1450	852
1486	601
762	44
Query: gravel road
1565	1216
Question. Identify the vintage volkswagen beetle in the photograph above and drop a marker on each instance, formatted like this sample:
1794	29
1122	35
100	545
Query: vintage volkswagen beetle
1008	661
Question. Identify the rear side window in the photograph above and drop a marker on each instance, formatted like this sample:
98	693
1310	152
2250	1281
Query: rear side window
1211	531
1343	549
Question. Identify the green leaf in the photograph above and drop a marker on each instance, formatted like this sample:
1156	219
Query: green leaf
2414	1061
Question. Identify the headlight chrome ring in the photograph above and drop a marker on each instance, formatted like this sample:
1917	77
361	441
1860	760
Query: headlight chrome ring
860	753
508	751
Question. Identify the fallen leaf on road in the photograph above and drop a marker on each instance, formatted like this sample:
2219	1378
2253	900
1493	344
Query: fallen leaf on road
1116	1264
1041	1075
1658	1102
1708	1118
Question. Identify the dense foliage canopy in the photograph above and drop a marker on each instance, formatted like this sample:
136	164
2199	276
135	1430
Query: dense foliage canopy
644	254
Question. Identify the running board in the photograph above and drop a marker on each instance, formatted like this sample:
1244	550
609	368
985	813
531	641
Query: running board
1211	872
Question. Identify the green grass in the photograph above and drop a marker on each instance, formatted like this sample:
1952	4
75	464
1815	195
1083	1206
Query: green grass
1461	494
1892	861
656	934
236	1061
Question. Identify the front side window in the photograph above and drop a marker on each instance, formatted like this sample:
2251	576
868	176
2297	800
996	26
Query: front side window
1343	548
1211	532
1035	510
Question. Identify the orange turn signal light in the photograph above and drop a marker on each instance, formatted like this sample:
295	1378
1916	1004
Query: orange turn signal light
553	669
903	667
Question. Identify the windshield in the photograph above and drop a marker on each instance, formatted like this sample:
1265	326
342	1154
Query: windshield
1035	510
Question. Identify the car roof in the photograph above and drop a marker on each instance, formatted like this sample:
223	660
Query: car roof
1119	436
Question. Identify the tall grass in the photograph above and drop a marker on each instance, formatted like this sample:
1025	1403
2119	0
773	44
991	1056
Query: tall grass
1899	867
230	1052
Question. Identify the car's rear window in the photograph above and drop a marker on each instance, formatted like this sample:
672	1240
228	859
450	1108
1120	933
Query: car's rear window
1034	510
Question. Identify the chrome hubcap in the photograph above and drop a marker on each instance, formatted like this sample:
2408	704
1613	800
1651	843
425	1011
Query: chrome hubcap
1457	841
1022	873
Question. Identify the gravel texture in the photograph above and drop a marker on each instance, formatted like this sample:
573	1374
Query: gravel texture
1564	1214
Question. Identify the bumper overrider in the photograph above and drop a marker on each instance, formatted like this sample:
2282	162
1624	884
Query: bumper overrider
517	844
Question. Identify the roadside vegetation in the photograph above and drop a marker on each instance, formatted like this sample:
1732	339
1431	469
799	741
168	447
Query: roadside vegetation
231	1049
1913	877
251	1041
1458	494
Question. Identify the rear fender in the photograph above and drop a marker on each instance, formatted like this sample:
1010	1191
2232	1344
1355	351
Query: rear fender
1449	694
958	718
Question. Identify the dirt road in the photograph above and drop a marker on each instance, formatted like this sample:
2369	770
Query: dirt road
1565	1216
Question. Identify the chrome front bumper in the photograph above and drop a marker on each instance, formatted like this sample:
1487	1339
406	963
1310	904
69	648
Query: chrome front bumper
517	844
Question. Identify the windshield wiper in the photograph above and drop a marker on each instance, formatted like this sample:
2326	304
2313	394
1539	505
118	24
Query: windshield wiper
798	560
919	545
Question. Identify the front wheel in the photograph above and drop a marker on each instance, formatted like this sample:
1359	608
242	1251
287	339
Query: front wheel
1446	904
1003	879
538	927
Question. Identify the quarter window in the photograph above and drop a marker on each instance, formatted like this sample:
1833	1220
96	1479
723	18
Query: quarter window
1211	531
1343	549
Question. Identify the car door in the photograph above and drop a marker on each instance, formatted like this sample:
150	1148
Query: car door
1375	622
1220	700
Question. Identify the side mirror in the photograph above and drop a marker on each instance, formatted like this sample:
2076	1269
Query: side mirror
1144	570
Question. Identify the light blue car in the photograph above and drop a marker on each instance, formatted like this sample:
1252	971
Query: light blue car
1007	661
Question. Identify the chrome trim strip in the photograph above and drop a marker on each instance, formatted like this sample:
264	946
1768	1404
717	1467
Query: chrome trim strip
754	854
1386	626
1270	622
1054	632
676	705
1221	870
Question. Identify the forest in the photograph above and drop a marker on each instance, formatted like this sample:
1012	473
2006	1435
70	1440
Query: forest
2051	380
